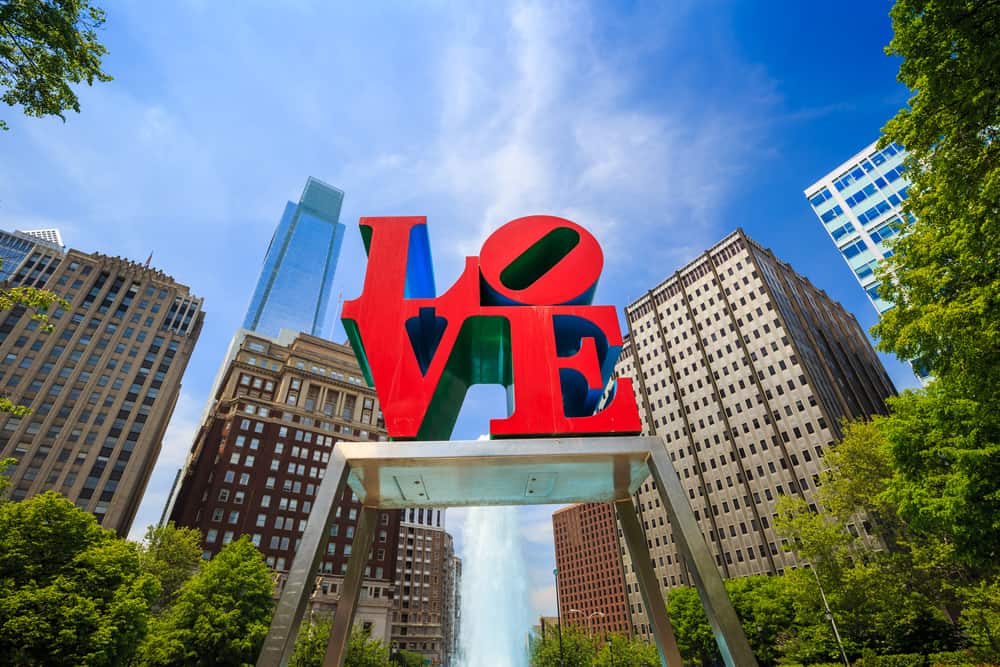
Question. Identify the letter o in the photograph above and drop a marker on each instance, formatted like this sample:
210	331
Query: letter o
540	260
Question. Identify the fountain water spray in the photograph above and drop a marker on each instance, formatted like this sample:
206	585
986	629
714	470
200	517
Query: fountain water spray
495	610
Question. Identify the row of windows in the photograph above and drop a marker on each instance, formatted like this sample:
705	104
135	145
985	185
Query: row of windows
856	174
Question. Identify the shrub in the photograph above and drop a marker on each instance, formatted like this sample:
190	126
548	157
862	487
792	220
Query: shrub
903	660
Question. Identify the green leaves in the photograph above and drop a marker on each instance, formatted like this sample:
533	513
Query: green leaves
220	616
45	46
171	555
579	649
71	593
944	274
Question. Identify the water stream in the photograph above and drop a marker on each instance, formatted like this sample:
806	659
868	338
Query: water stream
496	614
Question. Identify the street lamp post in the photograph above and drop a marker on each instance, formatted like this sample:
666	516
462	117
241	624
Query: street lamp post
590	622
555	573
829	617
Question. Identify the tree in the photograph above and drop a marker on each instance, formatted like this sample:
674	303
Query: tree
171	555
944	274
71	592
220	615
310	644
405	658
621	651
945	451
363	651
577	649
694	635
981	618
871	593
767	613
46	45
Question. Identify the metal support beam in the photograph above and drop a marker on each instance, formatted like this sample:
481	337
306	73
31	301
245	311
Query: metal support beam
350	590
503	472
733	644
649	587
280	640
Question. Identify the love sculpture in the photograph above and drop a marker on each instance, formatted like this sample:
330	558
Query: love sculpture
519	316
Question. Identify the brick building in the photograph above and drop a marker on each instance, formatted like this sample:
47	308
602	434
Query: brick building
588	562
279	407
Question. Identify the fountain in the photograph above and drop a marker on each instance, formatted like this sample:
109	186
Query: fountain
495	610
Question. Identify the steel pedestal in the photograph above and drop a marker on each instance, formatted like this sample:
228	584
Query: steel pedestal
503	472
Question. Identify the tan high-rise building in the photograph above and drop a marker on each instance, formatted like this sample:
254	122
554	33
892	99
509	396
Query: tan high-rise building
591	579
102	384
746	369
279	407
426	603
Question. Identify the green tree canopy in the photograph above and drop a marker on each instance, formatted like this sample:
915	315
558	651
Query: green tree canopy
171	555
406	658
364	651
618	650
578	649
220	615
944	274
694	635
310	644
71	592
981	618
45	46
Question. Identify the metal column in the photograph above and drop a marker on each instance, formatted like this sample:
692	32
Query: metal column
649	587
733	644
280	640
350	591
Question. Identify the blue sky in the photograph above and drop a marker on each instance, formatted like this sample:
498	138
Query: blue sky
658	126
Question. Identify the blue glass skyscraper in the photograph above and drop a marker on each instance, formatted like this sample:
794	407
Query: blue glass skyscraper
295	283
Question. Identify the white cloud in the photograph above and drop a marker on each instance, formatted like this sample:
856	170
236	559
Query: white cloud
536	524
545	121
181	431
544	601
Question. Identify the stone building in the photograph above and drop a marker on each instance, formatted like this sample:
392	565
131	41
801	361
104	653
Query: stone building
746	369
101	384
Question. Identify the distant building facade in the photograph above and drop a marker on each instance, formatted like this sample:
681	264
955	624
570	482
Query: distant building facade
296	281
102	384
257	461
427	604
15	247
452	630
50	235
746	369
589	566
860	206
